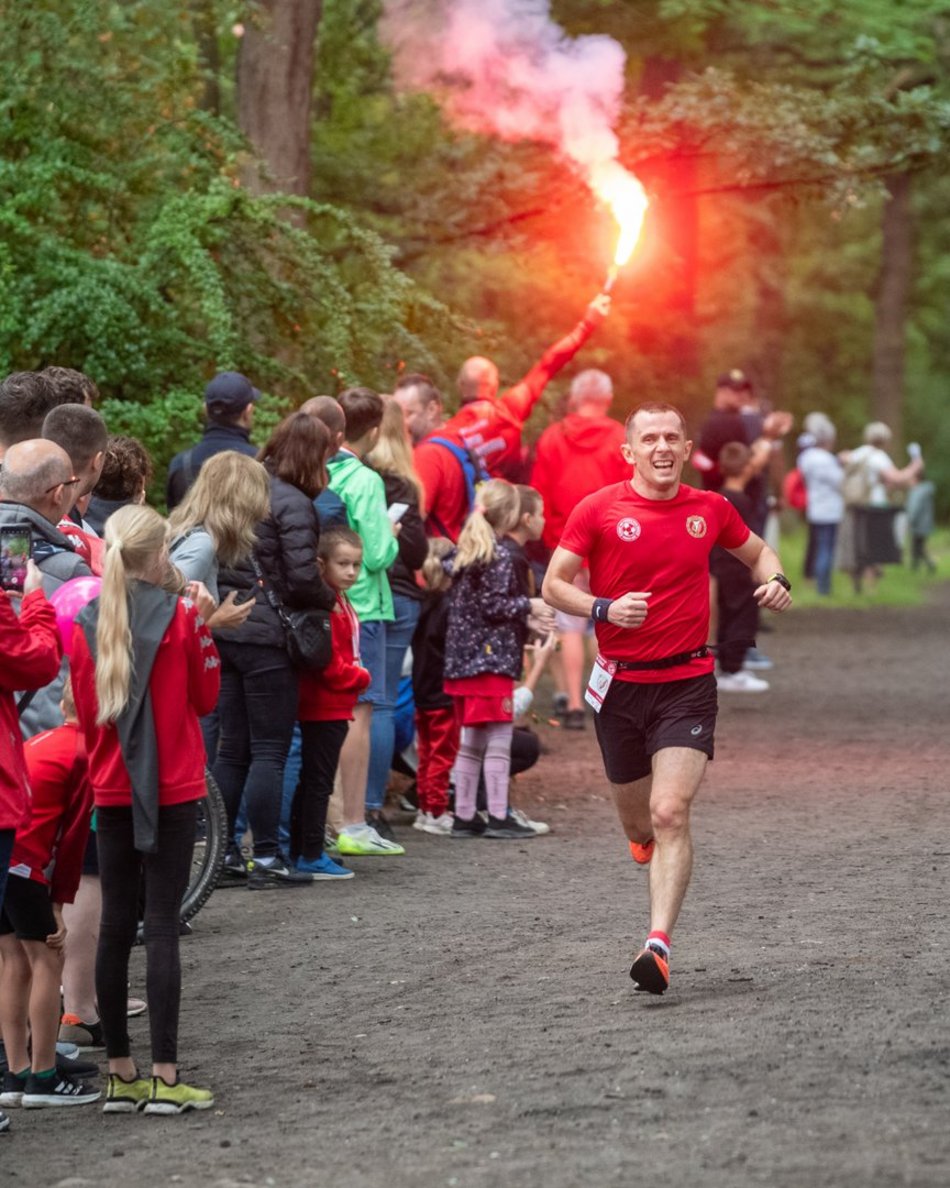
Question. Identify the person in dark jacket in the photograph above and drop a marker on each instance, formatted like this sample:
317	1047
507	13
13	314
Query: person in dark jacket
229	409
258	705
391	458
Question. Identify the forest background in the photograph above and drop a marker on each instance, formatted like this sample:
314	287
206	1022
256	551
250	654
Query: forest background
188	187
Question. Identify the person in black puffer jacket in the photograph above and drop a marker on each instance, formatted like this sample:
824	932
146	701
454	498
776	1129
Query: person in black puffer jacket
258	703
391	458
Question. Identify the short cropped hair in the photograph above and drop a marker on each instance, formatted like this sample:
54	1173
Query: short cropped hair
70	386
337	534
327	410
363	409
25	399
424	386
80	430
652	406
733	458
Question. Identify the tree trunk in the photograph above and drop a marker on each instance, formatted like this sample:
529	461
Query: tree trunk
891	299
274	84
206	34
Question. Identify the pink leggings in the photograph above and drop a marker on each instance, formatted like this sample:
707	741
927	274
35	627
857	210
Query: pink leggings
490	743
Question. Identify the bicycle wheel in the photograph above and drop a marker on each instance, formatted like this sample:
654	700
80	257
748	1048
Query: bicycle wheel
211	845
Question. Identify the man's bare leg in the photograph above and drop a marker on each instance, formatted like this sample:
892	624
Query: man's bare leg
633	808
677	774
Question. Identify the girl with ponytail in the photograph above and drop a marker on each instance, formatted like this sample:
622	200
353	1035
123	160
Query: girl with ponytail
144	669
487	631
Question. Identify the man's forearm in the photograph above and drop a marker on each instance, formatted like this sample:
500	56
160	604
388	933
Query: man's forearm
565	596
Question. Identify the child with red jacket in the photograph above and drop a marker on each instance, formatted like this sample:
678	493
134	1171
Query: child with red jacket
325	708
145	669
31	921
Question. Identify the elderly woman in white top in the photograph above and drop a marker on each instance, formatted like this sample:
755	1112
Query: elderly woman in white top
822	474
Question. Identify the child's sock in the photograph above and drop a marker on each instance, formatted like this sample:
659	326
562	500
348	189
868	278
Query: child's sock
498	767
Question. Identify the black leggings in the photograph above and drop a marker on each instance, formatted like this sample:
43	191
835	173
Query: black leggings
321	743
165	877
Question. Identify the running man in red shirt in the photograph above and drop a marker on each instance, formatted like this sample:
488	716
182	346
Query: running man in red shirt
647	541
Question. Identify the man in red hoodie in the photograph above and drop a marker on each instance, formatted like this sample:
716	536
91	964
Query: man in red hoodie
573	458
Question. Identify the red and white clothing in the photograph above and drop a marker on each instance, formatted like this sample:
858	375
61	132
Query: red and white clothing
660	545
184	684
61	811
331	694
30	654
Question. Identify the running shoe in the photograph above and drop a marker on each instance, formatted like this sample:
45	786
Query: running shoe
76	1068
329	843
274	875
440	826
136	1007
508	829
539	827
324	868
740	682
126	1097
234	869
422	819
176	1099
559	705
4	1122
13	1088
363	840
757	661
651	970
642	852
473	828
376	820
87	1036
57	1090
575	720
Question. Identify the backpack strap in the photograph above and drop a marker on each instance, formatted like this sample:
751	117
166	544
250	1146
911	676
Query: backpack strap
472	469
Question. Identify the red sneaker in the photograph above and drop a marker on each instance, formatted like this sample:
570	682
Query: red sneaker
642	852
651	971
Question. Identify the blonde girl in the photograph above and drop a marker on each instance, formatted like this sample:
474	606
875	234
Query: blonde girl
487	631
144	670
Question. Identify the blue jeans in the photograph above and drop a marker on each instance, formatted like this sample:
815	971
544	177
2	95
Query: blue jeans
824	537
257	710
6	849
382	728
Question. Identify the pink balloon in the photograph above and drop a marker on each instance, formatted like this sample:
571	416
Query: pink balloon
68	600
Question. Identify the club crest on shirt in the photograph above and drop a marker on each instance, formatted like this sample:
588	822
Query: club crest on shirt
628	528
696	526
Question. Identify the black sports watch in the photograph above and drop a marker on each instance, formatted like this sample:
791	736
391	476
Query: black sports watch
782	581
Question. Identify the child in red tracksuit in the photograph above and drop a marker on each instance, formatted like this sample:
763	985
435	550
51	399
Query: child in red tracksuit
437	724
31	921
144	669
325	708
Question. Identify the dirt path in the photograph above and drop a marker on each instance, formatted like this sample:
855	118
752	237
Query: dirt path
463	1016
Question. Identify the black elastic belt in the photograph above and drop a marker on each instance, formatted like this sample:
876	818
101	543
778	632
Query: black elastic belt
665	662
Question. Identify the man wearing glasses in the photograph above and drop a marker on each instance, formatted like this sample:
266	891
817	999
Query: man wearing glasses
38	487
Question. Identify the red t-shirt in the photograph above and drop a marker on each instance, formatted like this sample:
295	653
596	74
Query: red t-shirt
662	545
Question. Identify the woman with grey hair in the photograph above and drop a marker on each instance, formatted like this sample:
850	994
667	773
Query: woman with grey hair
822	474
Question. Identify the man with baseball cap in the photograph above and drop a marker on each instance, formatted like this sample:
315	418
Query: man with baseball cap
229	410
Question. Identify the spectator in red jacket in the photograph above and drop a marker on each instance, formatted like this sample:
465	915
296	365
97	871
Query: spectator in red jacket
32	933
145	669
573	458
325	708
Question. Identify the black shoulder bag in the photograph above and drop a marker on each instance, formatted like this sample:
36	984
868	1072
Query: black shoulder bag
308	632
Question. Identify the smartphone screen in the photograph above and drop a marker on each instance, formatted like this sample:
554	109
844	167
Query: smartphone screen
396	511
16	543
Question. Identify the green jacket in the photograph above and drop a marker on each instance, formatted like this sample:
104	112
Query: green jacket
364	497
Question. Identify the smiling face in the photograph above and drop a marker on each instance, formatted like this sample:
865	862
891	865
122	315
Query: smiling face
657	448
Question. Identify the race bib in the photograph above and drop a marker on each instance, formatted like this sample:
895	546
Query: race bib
602	674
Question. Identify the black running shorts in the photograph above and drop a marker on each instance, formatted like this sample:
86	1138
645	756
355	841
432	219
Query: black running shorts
27	911
638	720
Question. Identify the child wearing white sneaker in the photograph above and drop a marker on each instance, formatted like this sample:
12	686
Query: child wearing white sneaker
325	709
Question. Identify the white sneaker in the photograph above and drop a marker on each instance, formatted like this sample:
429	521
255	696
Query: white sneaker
540	827
422	821
740	682
363	839
439	826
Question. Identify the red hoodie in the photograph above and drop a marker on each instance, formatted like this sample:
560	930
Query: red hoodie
574	458
184	685
62	809
30	652
330	695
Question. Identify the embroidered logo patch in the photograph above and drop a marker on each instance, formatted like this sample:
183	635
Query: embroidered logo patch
628	529
696	526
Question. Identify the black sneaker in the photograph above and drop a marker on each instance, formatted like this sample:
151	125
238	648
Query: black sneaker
11	1091
70	1067
56	1091
559	705
375	818
4	1122
234	870
473	828
575	720
275	876
508	828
